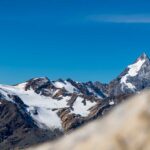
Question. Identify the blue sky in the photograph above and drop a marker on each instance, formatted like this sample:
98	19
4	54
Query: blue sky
80	39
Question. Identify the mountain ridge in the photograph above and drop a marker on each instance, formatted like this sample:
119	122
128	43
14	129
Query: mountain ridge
60	106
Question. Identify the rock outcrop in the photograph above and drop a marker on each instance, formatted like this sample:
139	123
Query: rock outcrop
18	130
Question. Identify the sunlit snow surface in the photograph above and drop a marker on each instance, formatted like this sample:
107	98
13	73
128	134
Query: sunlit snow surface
45	117
44	109
68	86
133	71
80	108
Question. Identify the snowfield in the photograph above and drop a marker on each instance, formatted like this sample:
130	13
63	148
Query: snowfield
44	109
81	109
44	117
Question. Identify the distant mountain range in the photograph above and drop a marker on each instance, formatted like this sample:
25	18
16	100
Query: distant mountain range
40	109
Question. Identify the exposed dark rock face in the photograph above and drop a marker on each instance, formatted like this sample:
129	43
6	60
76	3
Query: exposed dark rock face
41	86
70	121
18	130
102	87
89	88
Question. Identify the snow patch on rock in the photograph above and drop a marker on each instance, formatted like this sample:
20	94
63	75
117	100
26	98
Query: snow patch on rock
95	94
111	103
45	117
81	109
67	85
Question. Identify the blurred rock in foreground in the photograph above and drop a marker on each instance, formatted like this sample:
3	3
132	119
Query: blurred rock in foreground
127	127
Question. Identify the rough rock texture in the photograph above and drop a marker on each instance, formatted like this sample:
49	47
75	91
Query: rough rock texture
17	129
127	127
40	85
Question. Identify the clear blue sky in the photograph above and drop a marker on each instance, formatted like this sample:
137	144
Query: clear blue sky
80	39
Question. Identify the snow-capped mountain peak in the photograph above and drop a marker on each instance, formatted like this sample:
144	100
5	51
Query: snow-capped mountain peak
134	78
132	72
63	105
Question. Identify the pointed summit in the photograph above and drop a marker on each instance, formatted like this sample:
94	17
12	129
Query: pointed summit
143	56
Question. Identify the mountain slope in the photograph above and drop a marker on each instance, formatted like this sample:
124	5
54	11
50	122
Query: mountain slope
44	110
41	107
47	109
126	128
17	128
